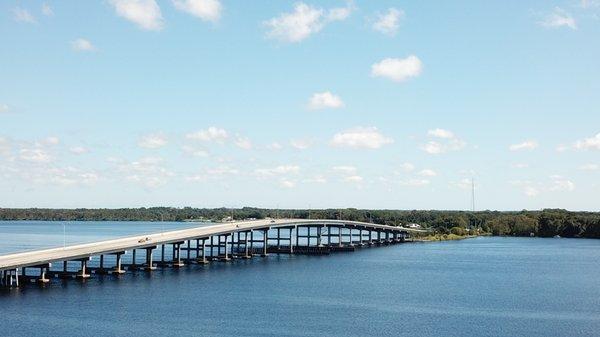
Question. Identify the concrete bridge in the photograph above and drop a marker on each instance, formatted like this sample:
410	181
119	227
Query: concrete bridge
220	242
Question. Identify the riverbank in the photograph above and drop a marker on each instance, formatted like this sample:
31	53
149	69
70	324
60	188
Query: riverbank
443	237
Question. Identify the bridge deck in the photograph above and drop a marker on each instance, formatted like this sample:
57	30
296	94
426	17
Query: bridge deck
69	253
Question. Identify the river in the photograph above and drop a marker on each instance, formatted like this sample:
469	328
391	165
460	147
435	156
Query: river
485	286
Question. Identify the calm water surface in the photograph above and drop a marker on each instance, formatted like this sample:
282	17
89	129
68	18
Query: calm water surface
476	287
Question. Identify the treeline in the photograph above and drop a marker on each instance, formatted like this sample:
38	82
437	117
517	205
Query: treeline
545	223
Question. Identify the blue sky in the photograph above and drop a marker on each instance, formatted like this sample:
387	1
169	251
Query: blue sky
385	104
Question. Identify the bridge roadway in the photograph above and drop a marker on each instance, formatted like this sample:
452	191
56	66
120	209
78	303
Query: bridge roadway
10	264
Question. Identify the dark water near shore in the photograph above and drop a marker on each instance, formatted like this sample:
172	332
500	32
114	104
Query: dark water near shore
475	287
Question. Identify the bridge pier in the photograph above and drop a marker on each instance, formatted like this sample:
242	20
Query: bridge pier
177	263
118	269
265	242
82	273
133	265
201	260
10	278
42	276
149	264
101	269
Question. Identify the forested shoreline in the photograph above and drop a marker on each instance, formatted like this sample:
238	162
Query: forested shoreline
544	223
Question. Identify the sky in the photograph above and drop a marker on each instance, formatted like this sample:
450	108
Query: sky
298	104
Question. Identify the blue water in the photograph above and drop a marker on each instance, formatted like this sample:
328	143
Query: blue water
475	287
16	236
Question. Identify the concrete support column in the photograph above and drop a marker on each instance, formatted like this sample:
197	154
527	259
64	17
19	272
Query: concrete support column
82	274
319	244
202	258
265	242
230	245
119	263
101	269
340	243
133	260
197	248
43	270
149	264
177	255
291	243
189	248
350	240
278	238
247	254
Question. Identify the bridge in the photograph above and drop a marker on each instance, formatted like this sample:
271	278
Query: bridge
220	242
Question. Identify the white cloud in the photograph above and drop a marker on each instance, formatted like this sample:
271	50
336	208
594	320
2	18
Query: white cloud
287	183
35	155
592	143
556	184
526	145
304	21
4	108
207	10
590	167
214	173
278	170
397	69
433	147
5	146
195	151
319	179
47	10
407	167
448	142
300	144
62	176
562	148
52	140
212	134
243	143
23	15
414	182
361	137
519	166
148	172
348	170
79	150
323	100
388	23
275	146
353	179
81	44
590	3
531	191
153	141
340	13
440	133
144	13
463	184
560	183
427	173
558	18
